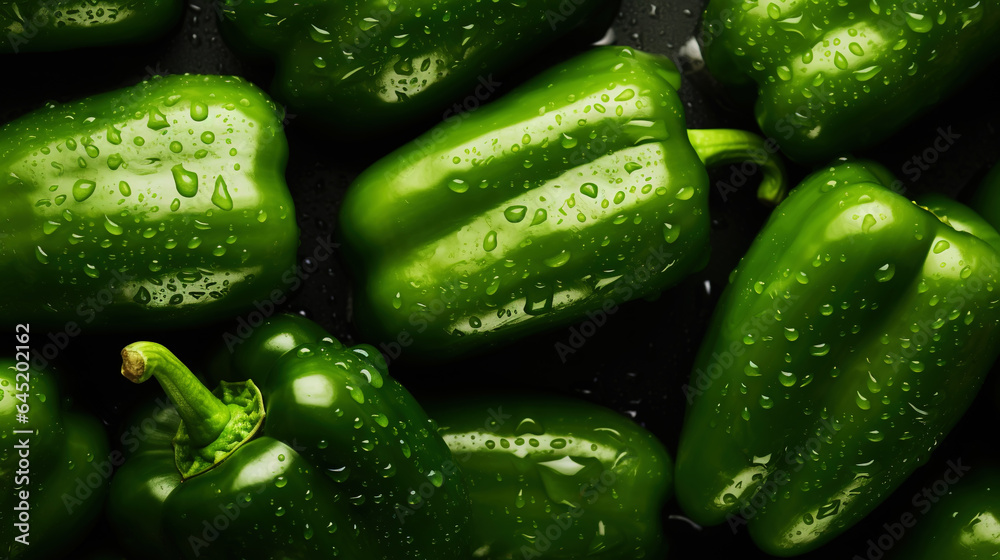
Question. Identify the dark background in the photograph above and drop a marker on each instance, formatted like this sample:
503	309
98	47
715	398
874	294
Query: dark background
637	362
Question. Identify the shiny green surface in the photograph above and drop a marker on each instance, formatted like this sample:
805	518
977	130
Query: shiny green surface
851	338
164	202
964	525
55	25
837	76
578	191
372	65
986	199
557	478
347	464
68	463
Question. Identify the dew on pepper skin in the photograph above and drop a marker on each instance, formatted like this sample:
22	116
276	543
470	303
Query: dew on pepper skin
83	189
490	241
112	227
185	181
199	111
221	196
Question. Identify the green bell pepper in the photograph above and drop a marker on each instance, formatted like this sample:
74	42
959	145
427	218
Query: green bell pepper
164	203
56	25
581	189
370	65
832	77
850	339
557	478
331	454
963	525
54	466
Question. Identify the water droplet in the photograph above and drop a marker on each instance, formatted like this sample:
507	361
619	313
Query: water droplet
540	216
519	501
82	189
515	214
941	246
751	370
199	111
865	74
840	61
821	349
625	95
185	181
319	34
221	197
791	334
142	296
671	232
784	73
885	272
113	228
590	189
490	241
919	22
41	255
261	216
157	120
862	401
436	478
357	395
568	141
787	378
114	135
115	161
458	186
867	223
557	260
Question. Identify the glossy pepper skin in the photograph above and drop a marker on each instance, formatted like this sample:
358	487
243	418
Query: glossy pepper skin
557	478
65	454
964	525
346	463
833	77
580	188
56	25
852	336
163	203
370	66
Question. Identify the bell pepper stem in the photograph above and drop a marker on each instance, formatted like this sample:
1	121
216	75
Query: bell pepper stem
721	146
202	412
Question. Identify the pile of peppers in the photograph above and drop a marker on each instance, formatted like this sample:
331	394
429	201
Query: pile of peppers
522	197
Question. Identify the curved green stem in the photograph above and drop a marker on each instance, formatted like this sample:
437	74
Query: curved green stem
204	415
721	146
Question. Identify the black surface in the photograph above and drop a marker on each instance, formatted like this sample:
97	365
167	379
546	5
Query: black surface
635	363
